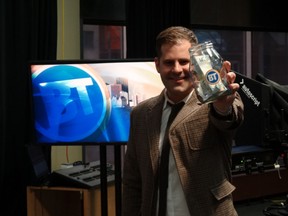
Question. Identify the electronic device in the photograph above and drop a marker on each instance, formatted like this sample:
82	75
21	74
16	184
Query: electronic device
249	159
88	102
256	97
83	175
39	165
278	124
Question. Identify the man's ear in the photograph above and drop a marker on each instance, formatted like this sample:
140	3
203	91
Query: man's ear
157	63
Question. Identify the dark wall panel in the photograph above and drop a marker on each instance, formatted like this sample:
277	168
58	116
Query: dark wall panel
239	14
103	10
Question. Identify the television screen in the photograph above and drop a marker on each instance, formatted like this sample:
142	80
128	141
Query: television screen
87	103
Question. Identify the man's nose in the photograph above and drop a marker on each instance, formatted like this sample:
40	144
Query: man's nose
177	67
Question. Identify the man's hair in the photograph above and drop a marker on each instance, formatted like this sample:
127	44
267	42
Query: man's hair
173	35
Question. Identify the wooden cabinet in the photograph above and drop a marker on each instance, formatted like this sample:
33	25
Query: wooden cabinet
257	185
60	201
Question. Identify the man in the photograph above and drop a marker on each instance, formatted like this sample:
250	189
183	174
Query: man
200	140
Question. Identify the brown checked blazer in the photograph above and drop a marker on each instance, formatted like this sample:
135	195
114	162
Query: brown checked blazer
201	144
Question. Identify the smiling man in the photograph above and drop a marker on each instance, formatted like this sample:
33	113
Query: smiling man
199	141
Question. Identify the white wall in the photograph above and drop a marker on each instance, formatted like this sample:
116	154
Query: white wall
68	47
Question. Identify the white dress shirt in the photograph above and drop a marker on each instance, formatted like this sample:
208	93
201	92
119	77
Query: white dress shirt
176	202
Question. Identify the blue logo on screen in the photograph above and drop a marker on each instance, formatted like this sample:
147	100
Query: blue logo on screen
212	77
70	103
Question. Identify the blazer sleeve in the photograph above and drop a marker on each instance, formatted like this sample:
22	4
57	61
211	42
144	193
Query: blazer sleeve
131	196
232	122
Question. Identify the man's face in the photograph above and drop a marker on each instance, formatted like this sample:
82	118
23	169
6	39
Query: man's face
173	67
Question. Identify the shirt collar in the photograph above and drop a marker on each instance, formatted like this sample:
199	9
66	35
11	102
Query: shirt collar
171	102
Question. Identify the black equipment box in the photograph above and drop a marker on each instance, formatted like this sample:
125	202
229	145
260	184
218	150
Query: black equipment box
249	159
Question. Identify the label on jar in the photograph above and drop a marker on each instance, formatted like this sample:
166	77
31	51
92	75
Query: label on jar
210	82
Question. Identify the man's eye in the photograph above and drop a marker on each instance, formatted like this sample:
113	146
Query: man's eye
184	62
169	63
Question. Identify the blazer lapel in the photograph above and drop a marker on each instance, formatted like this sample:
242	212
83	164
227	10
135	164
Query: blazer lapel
153	120
190	107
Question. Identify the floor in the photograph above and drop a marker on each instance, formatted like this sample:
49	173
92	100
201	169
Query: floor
272	206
